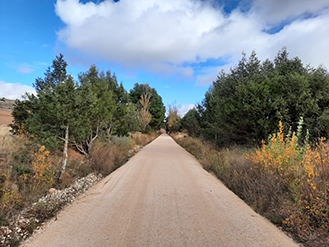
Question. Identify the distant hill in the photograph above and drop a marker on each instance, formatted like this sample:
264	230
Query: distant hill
7	103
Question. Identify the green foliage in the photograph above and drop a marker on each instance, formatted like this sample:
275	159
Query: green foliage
78	112
191	122
43	114
53	76
157	108
3	221
123	141
20	114
131	118
243	106
15	241
20	170
118	124
51	142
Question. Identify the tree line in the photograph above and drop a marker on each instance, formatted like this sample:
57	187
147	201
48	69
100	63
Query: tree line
243	106
67	112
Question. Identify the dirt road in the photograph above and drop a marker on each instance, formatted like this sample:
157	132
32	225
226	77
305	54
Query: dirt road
161	197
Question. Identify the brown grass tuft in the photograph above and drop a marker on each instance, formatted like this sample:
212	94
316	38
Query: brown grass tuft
106	158
144	139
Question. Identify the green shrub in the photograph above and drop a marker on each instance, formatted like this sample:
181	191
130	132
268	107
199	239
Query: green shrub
123	141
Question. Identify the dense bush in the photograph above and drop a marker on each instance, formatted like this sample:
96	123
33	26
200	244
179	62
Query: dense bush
244	105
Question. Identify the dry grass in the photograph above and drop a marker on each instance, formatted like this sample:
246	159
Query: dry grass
4	131
109	156
143	139
8	145
106	158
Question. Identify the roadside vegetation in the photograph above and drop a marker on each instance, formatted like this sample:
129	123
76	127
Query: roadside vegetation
68	130
262	130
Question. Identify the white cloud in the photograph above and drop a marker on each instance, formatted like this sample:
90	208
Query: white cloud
209	74
308	39
135	32
276	11
207	79
14	90
160	36
25	70
183	109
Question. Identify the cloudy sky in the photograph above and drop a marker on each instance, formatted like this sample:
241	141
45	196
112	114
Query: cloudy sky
176	46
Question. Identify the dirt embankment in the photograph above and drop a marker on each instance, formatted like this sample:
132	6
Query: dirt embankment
5	119
6	107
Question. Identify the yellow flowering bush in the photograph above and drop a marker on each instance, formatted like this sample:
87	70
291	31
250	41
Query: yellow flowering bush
23	132
43	172
305	170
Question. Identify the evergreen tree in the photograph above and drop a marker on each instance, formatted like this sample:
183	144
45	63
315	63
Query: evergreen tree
117	124
157	108
245	105
102	111
54	75
68	114
191	122
131	119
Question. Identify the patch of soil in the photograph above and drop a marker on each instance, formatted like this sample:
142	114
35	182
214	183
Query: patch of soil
75	155
5	117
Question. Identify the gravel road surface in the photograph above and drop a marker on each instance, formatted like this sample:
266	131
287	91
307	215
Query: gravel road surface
161	197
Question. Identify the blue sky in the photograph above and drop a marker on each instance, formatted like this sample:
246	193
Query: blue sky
176	46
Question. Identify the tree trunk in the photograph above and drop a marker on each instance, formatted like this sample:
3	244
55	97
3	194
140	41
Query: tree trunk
108	131
66	142
90	144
